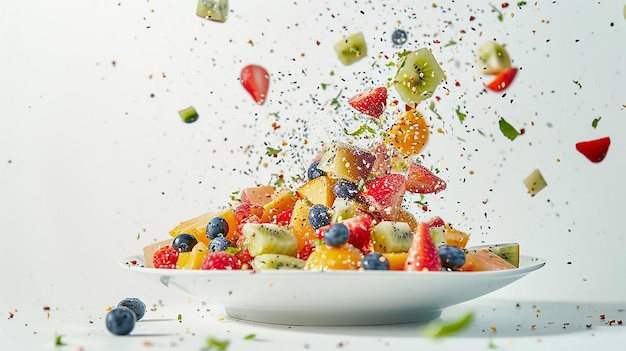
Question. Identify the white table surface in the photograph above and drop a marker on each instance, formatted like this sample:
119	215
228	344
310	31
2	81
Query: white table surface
95	162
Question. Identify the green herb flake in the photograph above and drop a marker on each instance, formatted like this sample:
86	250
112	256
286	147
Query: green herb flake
390	64
180	317
595	122
580	86
450	43
335	101
364	128
324	86
249	337
521	3
434	109
189	114
138	236
214	344
500	15
273	152
439	328
460	114
58	340
508	130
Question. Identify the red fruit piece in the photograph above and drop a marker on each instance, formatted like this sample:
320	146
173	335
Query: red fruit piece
256	80
503	79
284	217
220	260
422	255
371	102
244	257
594	150
165	257
436	222
422	181
306	250
385	195
360	231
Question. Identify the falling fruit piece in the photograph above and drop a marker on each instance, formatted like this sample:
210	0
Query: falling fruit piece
594	150
503	80
535	182
213	10
256	80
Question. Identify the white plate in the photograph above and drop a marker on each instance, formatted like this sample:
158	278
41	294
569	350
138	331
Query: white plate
298	297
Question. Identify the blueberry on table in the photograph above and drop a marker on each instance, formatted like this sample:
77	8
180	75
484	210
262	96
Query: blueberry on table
336	235
345	189
314	172
319	216
135	305
120	320
184	242
452	257
219	243
216	226
374	261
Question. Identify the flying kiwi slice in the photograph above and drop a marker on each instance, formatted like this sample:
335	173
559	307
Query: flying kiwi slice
264	238
388	236
508	251
277	261
351	48
492	58
418	76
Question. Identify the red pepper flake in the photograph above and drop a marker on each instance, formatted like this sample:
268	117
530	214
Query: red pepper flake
133	262
317	42
493	329
505	5
113	63
46	308
533	327
11	315
620	322
436	41
275	125
602	317
438	98
472	18
611	322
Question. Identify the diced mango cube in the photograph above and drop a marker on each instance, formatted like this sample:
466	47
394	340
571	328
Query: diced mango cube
318	191
192	259
283	202
346	161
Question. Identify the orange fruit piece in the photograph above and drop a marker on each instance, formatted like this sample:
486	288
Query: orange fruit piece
409	134
396	260
325	258
300	226
484	260
455	237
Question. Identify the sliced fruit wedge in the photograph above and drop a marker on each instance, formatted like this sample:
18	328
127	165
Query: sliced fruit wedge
507	251
418	76
492	58
351	48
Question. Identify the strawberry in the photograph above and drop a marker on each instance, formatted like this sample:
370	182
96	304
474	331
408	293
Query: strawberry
244	257
306	250
220	260
284	217
255	79
165	257
503	80
422	181
422	255
594	150
371	102
385	195
248	213
436	222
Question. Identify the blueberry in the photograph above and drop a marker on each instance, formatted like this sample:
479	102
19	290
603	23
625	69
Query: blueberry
374	261
120	320
184	242
219	243
452	257
345	189
314	172
398	37
319	216
135	305
217	226
336	235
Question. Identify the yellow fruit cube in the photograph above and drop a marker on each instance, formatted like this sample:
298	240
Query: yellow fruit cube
259	195
300	226
318	191
346	161
192	259
279	204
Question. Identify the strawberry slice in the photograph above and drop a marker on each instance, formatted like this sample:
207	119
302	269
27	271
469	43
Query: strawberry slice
422	181
256	80
359	227
385	195
594	150
503	79
436	222
422	255
371	102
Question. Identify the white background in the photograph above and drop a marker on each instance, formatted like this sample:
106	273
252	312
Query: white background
95	162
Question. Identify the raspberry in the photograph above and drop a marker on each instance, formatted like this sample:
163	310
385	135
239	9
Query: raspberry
165	257
220	260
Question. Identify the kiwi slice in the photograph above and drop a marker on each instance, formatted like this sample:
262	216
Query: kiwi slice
344	209
213	10
492	58
535	182
264	238
388	236
508	251
418	76
277	261
351	48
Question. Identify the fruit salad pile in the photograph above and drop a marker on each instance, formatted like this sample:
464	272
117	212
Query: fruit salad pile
346	212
